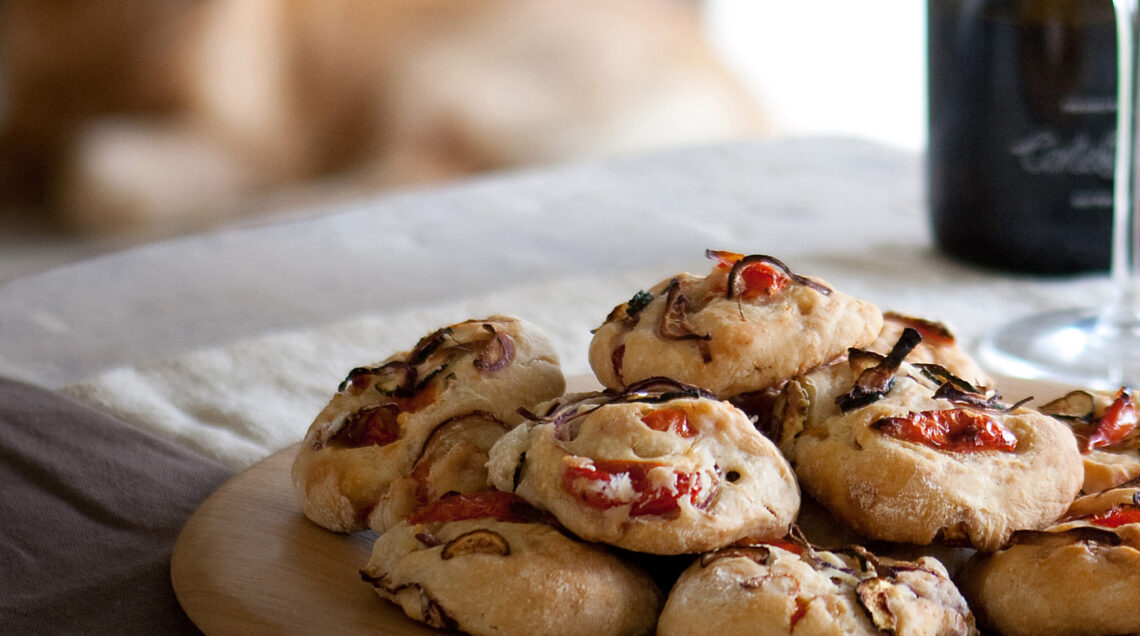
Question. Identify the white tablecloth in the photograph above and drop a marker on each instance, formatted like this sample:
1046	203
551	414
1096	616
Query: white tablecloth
230	342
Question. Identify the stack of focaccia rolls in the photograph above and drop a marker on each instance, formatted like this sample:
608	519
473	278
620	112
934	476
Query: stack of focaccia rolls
768	455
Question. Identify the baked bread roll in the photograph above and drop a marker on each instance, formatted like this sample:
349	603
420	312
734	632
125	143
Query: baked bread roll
749	324
788	587
1078	577
661	468
475	564
420	424
907	453
938	347
1107	435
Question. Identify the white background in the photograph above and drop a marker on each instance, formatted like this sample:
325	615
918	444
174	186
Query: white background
831	66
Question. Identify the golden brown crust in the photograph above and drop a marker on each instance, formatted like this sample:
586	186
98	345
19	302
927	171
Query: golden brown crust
897	490
771	590
489	577
735	345
726	482
1074	578
1106	469
468	382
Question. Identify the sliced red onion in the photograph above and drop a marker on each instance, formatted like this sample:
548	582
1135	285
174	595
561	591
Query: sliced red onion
674	323
874	382
496	353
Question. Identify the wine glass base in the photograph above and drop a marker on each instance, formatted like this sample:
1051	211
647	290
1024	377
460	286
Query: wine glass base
1072	346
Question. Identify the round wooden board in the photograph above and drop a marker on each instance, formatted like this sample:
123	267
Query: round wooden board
249	561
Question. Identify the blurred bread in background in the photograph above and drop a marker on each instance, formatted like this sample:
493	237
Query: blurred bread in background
157	114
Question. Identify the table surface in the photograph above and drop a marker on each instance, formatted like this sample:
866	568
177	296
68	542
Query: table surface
849	211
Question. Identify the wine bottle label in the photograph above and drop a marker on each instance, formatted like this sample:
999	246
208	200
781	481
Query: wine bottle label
1089	105
1022	132
1044	152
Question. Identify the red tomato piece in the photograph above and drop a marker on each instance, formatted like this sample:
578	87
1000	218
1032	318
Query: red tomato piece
759	278
670	420
425	396
800	611
1116	516
1118	421
725	260
932	333
762	279
371	426
957	430
790	546
598	485
487	503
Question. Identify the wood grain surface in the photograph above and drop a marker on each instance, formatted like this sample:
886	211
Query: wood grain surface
248	561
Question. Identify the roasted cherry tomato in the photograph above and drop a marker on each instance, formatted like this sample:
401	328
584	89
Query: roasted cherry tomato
503	506
610	483
800	612
371	426
725	260
762	279
790	546
1116	516
759	278
670	420
1118	421
957	430
933	333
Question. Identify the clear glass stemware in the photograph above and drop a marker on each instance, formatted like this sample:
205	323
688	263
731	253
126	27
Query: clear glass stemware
1096	347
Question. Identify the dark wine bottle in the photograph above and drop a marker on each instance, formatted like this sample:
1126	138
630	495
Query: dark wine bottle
1022	113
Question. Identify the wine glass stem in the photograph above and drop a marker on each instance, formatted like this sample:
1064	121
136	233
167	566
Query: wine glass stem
1124	311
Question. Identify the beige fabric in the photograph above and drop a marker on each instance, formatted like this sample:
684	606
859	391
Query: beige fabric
240	402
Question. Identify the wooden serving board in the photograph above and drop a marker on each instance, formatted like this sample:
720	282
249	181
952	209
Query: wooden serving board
248	561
